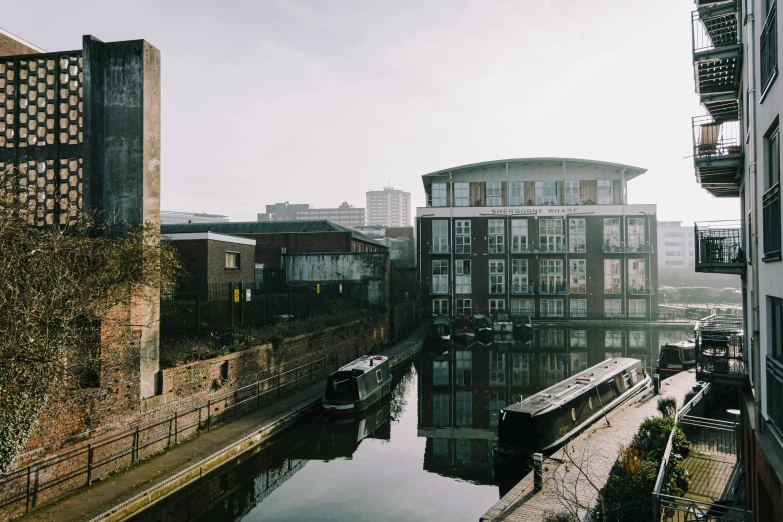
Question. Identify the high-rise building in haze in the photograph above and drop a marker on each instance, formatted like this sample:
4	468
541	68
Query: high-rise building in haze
345	215
388	207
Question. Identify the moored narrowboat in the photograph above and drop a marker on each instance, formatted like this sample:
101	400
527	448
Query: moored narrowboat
546	420
441	331
482	326
357	385
463	328
502	322
677	356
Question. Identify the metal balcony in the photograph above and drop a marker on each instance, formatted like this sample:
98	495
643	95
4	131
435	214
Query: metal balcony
717	57
553	289
522	288
438	289
717	155
719	357
718	247
609	248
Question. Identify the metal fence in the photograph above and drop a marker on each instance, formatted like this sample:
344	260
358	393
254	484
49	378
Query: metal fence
47	479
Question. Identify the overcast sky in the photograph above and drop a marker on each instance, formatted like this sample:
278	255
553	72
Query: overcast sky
319	101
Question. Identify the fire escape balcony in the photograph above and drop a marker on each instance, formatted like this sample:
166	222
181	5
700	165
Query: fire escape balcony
719	356
717	57
718	247
717	155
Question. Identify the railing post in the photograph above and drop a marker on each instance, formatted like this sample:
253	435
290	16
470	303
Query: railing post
236	403
176	427
538	481
311	372
27	499
656	383
135	451
89	464
209	414
199	417
278	385
198	314
258	393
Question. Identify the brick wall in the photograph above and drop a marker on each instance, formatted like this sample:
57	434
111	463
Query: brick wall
204	262
11	46
305	241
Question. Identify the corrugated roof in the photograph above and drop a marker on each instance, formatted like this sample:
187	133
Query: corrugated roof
266	227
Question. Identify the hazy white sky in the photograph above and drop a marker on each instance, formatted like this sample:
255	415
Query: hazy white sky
319	101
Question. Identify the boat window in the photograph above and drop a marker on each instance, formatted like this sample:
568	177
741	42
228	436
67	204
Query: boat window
573	414
379	375
590	402
626	380
342	386
633	376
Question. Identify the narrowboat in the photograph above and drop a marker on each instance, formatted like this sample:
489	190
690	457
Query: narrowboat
677	356
463	328
482	326
546	420
502	321
441	331
523	328
357	385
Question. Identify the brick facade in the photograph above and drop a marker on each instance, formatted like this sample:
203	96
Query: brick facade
11	45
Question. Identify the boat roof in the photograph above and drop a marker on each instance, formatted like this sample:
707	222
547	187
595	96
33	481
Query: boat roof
363	363
687	342
441	319
566	389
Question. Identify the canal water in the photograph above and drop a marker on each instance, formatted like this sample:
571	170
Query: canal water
425	453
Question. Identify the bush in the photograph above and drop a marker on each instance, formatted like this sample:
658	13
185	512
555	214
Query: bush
628	496
667	406
561	516
653	435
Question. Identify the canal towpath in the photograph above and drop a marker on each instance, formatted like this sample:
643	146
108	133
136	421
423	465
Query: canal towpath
129	491
571	480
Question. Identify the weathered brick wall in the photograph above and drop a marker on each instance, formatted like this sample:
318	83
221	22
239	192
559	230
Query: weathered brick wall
11	46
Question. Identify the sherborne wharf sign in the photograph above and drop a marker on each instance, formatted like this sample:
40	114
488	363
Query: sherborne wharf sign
529	211
535	211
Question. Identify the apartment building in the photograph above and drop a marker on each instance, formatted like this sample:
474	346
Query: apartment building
388	207
675	246
170	217
345	215
546	237
736	146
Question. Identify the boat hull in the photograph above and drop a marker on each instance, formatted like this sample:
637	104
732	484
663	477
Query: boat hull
343	408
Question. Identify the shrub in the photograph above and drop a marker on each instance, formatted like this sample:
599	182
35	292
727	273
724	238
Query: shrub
561	516
667	406
628	496
653	435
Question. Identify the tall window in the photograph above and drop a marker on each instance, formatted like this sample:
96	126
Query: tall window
612	276
577	235
578	339
464	368
520	374
775	361
552	368
497	304
546	192
462	236
464	408
613	339
438	195
551	276
637	339
516	193
523	307
440	276
497	276
497	401
768	48
551	308
494	194
552	338
577	276
519	276
636	277
440	236
497	368
440	307
605	192
462	275
440	373
611	232
578	362
612	308
464	307
571	192
636	237
578	307
462	194
637	308
550	235
771	199
497	236
441	409
519	235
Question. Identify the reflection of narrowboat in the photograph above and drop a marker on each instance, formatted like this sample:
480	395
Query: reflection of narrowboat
441	331
502	321
463	327
523	328
357	385
551	417
677	356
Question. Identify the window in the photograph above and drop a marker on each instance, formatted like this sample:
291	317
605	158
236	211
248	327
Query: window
636	237
523	307
464	408
552	368
610	355
769	48
636	277
232	260
497	276
546	192
577	276
462	194
578	338
577	236
497	368
611	234
520	372
438	195
519	276
464	376
464	450
775	361
441	408
462	236
578	307
464	307
497	236
517	193
637	308
637	339
519	235
379	375
497	401
612	308
771	199
440	373
578	362
440	236
552	338
494	194
550	235
440	307
605	192
497	304
613	339
551	276
612	276
551	308
571	192
440	276
462	274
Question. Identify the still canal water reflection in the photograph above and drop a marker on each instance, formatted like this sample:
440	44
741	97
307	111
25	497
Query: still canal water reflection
423	454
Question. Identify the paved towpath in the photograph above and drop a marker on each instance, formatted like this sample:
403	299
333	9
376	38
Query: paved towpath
586	461
129	491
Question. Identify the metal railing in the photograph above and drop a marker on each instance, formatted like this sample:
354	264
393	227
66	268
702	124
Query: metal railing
716	140
73	469
715	28
523	288
719	247
553	289
609	248
719	340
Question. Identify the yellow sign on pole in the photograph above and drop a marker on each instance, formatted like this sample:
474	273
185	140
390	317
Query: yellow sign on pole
236	295
318	288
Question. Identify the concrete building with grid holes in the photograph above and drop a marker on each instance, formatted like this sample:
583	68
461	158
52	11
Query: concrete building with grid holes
551	238
388	207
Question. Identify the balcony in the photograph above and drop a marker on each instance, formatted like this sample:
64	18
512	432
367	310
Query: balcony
719	357
440	249
638	290
523	288
718	248
717	57
717	155
610	248
553	289
440	289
